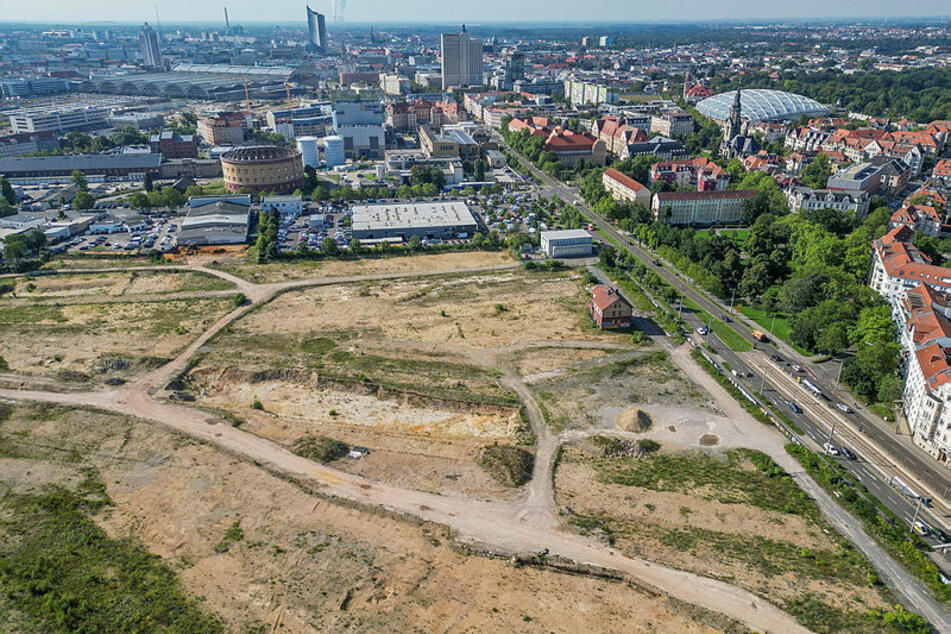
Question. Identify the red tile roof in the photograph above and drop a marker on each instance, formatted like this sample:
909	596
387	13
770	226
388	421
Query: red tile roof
741	194
604	296
623	179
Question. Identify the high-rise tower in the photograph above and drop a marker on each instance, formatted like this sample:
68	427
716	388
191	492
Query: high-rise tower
461	60
317	30
148	40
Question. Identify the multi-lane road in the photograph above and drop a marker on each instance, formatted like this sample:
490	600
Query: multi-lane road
883	456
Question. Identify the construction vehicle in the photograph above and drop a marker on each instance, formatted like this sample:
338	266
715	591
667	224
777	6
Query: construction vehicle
759	335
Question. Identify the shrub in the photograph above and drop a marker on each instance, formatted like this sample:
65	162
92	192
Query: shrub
257	405
507	464
320	448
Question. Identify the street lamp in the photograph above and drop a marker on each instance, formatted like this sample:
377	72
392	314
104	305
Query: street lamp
839	373
732	297
917	510
831	432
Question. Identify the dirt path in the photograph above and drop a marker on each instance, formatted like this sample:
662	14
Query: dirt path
485	522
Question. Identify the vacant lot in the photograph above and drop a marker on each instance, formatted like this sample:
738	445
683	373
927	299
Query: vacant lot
593	397
117	284
303	269
732	515
267	555
79	341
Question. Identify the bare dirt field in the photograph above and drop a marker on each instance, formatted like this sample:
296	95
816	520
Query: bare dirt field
721	515
485	310
79	341
267	555
117	284
540	361
593	397
283	271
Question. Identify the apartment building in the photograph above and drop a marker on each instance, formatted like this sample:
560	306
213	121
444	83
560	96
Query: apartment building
700	207
625	189
701	174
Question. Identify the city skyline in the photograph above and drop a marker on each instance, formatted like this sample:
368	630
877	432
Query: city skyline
494	11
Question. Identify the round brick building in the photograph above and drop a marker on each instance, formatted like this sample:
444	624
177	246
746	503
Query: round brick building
263	168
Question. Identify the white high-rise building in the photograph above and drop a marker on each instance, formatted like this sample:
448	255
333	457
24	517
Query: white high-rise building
461	60
310	155
334	151
148	40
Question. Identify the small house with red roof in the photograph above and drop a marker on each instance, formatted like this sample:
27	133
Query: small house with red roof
609	309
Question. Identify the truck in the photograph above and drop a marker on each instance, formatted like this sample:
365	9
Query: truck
759	335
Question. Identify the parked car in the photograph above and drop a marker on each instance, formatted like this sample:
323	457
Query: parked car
845	408
848	453
703	331
831	449
794	407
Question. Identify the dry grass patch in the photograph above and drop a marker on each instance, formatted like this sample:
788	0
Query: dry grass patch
114	284
733	515
67	341
299	561
593	397
246	268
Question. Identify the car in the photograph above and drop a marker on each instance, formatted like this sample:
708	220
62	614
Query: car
921	528
845	408
776	358
831	449
727	319
939	534
796	367
848	453
703	331
794	407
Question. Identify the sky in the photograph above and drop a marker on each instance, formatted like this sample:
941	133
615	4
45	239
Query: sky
478	12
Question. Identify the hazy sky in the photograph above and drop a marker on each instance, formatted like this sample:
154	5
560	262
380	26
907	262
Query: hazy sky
479	11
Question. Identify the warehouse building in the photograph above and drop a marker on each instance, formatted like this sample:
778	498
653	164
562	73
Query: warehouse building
428	220
98	168
568	243
219	222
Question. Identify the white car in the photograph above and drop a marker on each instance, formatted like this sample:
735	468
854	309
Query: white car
703	331
831	449
845	408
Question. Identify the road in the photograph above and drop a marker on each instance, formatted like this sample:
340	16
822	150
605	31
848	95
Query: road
900	457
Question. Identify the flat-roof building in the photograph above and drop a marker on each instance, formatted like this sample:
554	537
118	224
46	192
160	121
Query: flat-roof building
219	222
429	220
700	208
567	243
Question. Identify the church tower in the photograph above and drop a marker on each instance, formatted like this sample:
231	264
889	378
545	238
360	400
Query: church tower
734	125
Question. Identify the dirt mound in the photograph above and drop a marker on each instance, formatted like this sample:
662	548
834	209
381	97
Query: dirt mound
507	464
635	420
709	440
320	448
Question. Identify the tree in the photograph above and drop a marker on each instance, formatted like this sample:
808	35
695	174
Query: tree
816	174
171	197
83	200
415	243
148	182
79	180
320	194
423	174
329	247
139	200
480	170
6	191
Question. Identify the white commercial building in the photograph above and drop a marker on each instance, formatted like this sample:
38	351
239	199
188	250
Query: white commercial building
309	153
334	153
567	243
428	220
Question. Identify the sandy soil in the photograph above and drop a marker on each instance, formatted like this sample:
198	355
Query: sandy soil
281	271
306	565
543	360
583	398
49	339
647	515
473	311
117	284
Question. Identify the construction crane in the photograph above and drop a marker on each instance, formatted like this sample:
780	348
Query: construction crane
287	86
247	97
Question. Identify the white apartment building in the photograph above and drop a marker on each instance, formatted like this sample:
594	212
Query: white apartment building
700	208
